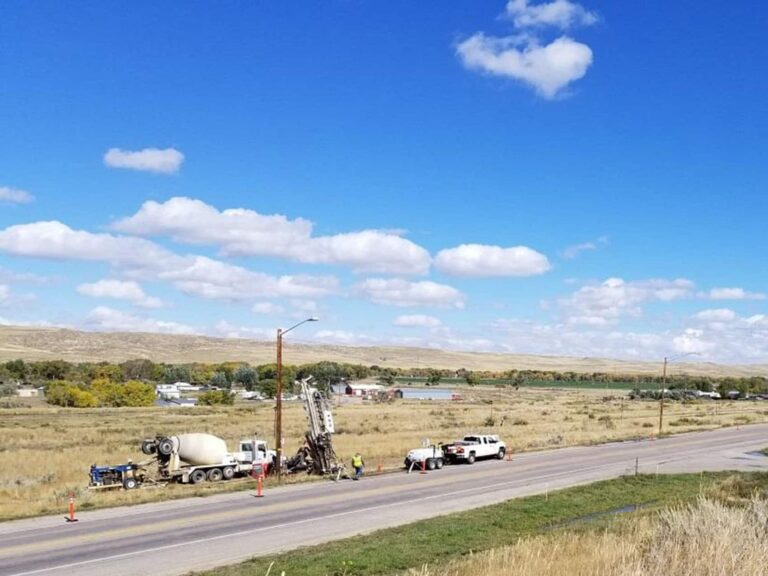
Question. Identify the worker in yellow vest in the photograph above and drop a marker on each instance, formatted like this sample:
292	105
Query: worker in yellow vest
358	465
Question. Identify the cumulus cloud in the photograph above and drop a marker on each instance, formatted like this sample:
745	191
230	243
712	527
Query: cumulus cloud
399	292
478	260
607	302
165	161
120	290
416	320
342	337
734	294
111	320
227	330
560	14
718	315
141	259
546	66
244	232
15	196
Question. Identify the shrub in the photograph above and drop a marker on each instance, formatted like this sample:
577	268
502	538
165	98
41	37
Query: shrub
216	397
519	422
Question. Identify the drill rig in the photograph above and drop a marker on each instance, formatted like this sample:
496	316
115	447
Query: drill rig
317	455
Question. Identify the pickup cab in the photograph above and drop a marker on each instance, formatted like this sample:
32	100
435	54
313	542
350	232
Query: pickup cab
474	446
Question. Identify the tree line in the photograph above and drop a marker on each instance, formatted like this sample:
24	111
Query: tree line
131	383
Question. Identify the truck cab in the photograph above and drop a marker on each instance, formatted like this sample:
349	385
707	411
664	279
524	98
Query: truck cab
475	446
254	451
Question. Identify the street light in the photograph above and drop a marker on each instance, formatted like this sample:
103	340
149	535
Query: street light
279	395
664	383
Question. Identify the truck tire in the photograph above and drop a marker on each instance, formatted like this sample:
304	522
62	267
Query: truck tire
197	476
228	472
431	464
130	483
439	463
501	454
215	474
471	458
165	446
148	447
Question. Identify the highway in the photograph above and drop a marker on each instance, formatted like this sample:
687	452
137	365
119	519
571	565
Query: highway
176	537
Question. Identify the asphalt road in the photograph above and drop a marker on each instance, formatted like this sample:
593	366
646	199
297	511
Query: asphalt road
171	538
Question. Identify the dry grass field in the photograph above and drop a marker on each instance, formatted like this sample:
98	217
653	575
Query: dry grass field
31	343
707	539
46	451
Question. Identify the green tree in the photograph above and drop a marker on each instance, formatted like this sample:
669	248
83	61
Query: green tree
246	376
173	374
7	389
17	369
139	369
219	379
434	378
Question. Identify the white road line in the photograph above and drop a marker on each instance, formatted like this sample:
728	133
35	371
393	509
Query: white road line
298	522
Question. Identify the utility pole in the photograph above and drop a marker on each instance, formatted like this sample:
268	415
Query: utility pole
661	396
279	396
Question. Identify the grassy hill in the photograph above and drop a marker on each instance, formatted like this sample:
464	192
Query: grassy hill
76	346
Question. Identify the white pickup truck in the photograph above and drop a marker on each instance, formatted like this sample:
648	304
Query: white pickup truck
475	446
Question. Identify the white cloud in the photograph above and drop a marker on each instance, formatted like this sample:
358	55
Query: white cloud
15	196
717	315
165	161
606	303
141	259
734	294
341	337
546	66
227	330
111	320
416	320
267	308
478	260
398	292
5	294
559	13
120	290
244	232
575	250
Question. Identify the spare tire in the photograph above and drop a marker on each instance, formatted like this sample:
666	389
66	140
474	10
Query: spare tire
165	446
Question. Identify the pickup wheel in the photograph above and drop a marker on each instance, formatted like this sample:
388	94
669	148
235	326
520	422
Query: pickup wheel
197	476
471	458
228	473
215	474
501	453
431	464
439	463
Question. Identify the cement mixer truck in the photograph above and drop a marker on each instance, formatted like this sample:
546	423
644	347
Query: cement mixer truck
195	458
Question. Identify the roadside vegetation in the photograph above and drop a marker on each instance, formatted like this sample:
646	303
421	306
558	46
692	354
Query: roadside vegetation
47	451
684	525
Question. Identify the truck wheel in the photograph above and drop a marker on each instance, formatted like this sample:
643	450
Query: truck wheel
165	446
228	473
439	462
215	474
130	483
431	464
471	458
197	476
501	453
148	447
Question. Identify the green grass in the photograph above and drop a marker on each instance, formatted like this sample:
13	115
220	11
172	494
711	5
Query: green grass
444	538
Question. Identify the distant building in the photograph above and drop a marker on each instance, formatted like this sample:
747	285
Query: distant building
29	392
167	391
363	390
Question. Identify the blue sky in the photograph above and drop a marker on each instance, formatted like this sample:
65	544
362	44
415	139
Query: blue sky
538	177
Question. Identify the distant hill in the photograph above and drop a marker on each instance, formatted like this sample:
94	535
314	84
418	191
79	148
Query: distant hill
75	346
